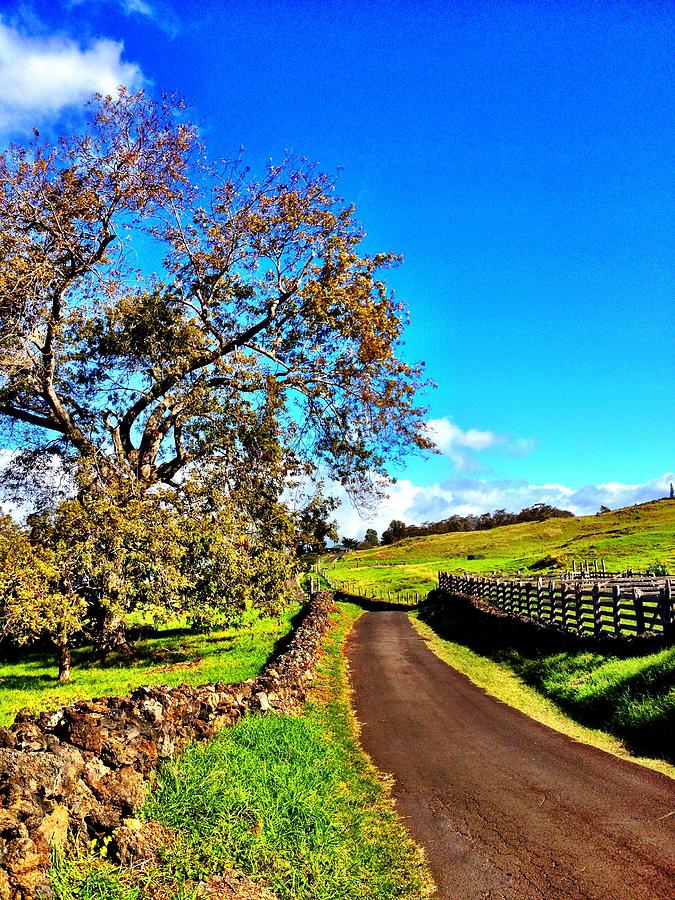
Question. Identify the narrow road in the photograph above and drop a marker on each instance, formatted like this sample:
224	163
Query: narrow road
504	806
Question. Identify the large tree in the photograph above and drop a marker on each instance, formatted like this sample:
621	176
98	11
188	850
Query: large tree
156	308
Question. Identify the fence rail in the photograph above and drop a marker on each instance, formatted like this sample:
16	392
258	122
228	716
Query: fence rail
625	606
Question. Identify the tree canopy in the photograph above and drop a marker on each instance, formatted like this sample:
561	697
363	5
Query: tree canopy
181	345
158	311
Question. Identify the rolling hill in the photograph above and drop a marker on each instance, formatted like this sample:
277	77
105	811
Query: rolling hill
636	537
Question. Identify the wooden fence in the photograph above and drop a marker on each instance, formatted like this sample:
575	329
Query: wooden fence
368	592
379	593
623	606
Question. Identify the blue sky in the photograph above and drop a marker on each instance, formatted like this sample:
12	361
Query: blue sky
515	153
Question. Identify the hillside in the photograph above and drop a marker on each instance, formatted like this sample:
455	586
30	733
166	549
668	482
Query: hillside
635	537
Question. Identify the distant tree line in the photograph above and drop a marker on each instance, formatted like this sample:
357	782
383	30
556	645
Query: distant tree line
397	529
538	512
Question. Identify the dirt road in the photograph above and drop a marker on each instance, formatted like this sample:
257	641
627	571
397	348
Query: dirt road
505	807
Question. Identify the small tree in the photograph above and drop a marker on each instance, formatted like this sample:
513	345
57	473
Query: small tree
371	537
395	531
35	599
314	526
116	555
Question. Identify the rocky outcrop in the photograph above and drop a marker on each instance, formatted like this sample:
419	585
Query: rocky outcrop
84	770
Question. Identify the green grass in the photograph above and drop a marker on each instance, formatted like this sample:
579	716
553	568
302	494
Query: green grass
173	658
635	537
93	878
290	801
630	697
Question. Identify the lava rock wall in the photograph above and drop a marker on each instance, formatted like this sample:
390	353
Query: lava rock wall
85	769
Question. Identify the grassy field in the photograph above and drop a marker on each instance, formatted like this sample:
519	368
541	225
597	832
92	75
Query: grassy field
291	802
628	695
170	658
635	537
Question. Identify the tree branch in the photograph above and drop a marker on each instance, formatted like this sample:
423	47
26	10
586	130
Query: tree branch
161	388
32	419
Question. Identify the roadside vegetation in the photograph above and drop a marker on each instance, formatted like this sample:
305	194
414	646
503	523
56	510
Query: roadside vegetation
290	801
627	692
637	537
171	656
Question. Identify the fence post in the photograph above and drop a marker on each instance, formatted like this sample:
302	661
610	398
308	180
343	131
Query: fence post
563	602
665	606
578	605
616	607
551	600
667	589
540	598
639	611
597	612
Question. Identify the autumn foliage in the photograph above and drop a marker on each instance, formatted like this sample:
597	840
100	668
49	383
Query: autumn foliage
166	321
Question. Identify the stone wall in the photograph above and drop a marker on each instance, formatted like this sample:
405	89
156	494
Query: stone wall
85	769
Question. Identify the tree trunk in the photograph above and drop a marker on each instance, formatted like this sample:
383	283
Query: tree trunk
64	663
113	635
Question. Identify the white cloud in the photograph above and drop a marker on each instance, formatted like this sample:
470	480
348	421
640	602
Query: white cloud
415	504
138	6
159	13
463	446
42	76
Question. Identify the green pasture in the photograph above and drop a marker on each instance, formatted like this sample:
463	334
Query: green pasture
170	657
635	538
290	801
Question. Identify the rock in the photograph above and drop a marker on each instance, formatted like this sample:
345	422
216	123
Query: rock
54	720
123	790
7	740
54	827
166	747
141	842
